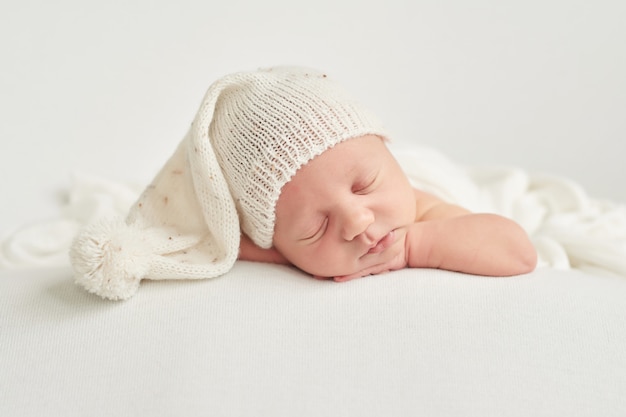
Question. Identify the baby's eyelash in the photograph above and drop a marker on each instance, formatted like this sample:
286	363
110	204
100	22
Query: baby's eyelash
318	232
364	186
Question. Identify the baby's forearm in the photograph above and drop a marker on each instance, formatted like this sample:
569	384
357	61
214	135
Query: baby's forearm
481	244
248	251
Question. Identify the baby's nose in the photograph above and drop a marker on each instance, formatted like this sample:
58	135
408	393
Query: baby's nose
356	220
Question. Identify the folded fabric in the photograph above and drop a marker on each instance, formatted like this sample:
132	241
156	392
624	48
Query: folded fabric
46	242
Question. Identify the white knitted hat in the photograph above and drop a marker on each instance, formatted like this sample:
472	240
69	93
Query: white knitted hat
253	131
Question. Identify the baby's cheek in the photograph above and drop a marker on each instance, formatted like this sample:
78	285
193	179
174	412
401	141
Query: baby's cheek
325	265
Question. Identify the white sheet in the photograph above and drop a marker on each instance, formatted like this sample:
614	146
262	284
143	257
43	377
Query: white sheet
270	341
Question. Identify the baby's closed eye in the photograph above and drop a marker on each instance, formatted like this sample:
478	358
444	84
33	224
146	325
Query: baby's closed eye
316	232
366	185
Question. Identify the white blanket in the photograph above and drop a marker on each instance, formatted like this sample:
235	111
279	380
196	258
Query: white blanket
568	227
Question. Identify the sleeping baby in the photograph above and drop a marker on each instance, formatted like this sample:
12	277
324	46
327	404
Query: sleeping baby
282	165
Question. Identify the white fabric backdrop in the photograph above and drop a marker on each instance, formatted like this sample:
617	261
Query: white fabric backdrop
268	340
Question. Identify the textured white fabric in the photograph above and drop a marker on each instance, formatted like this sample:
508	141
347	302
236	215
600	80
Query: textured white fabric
253	131
46	242
569	228
270	341
269	123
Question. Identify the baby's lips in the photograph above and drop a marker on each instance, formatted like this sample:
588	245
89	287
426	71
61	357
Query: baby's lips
383	243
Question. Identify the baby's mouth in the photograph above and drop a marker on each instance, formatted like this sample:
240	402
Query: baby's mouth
383	243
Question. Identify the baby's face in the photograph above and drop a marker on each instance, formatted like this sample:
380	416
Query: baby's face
345	211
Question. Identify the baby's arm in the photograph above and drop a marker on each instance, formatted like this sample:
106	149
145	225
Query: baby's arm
449	237
248	251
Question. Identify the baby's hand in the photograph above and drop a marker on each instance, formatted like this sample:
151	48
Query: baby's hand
394	264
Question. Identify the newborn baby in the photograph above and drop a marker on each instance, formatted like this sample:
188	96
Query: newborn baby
351	212
282	165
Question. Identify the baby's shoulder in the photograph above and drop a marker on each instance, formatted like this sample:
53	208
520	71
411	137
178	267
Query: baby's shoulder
431	207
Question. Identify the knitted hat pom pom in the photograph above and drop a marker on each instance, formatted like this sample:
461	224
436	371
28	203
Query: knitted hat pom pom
110	258
251	134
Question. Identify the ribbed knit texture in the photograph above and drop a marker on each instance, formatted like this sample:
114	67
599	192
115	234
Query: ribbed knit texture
270	123
253	131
